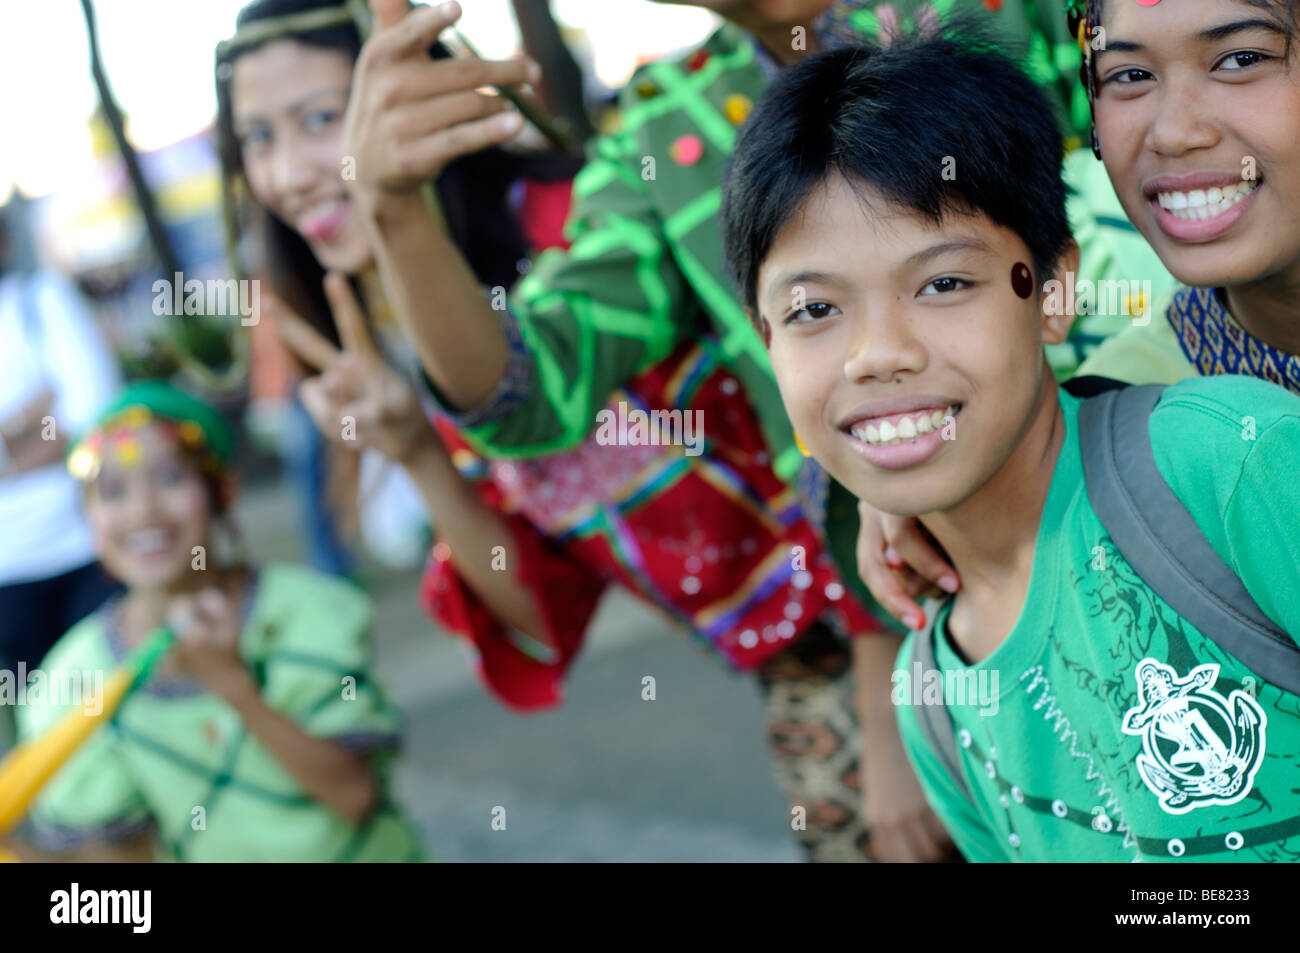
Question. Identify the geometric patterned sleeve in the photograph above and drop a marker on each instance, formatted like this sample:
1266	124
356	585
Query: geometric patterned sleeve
588	318
521	673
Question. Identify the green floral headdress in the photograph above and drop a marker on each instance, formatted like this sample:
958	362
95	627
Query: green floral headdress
196	426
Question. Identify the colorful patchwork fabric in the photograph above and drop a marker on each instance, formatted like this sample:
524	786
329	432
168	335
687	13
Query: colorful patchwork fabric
645	270
713	539
1216	344
173	748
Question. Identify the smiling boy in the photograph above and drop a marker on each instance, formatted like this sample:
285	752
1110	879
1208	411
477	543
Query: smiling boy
906	317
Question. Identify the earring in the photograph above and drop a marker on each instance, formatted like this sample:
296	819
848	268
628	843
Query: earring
800	444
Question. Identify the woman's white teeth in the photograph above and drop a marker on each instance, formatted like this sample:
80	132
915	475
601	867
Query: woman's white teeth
909	427
1200	204
321	209
148	540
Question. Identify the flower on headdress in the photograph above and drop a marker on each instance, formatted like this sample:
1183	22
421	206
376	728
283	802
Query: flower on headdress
126	449
190	434
84	462
135	416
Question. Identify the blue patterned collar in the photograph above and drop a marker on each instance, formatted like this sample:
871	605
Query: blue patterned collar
1217	344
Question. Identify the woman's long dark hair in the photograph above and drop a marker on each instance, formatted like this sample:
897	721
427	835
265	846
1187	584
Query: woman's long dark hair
474	191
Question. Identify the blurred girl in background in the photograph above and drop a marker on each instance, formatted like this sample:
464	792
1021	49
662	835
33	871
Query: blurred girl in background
263	734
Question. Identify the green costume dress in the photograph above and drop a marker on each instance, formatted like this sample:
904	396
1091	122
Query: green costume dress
178	760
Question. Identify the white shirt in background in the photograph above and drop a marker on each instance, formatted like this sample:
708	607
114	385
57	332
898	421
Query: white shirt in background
48	338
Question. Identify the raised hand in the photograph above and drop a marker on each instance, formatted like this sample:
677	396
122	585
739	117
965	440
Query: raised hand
358	401
409	115
207	643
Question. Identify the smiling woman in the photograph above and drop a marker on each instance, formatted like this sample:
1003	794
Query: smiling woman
284	82
1198	112
288	136
1195	105
281	99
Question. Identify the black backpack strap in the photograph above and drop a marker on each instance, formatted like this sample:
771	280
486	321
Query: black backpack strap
934	719
1090	385
1161	541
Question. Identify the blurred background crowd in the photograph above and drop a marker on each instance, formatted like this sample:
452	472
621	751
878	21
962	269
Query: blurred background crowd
109	181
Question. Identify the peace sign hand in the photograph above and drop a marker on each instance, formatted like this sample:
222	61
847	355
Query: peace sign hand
358	400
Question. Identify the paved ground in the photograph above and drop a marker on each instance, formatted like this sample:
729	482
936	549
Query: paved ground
607	777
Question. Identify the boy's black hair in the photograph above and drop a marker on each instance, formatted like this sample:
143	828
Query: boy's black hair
888	118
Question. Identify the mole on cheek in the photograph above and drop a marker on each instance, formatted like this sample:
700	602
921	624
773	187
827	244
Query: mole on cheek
1022	280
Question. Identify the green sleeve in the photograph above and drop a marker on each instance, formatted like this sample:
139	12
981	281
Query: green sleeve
318	666
1229	447
93	795
594	316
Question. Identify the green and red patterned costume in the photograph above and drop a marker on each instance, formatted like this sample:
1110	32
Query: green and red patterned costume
645	269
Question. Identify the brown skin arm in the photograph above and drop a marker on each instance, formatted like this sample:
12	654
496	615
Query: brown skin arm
903	828
340	779
473	529
434	293
356	382
22	434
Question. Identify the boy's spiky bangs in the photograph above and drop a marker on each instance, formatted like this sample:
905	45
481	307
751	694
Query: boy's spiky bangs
936	125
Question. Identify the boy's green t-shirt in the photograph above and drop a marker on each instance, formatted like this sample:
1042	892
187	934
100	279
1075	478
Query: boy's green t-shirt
1120	732
178	760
